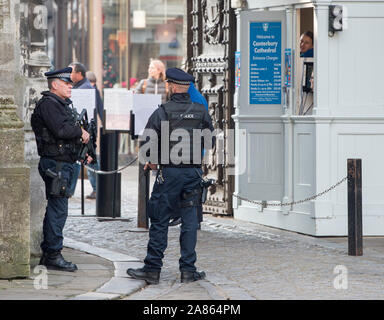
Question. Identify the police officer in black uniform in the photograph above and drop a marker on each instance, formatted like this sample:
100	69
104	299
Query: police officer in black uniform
177	185
58	141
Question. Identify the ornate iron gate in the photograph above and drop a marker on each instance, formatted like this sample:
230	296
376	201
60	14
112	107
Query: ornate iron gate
212	36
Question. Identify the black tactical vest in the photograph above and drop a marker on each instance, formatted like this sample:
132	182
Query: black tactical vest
47	144
183	119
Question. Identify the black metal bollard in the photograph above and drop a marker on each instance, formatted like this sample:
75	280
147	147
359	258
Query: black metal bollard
355	213
108	193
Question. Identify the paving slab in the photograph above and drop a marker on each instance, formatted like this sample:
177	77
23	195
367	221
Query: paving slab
103	253
123	286
96	296
60	285
92	266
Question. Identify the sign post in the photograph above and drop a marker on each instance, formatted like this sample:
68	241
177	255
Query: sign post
116	119
143	106
123	112
83	99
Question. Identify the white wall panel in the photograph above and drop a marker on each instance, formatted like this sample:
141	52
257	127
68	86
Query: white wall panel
367	147
360	69
304	165
263	178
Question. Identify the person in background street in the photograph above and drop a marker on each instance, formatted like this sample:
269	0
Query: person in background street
80	81
306	45
99	115
197	97
133	83
178	185
99	101
58	140
155	84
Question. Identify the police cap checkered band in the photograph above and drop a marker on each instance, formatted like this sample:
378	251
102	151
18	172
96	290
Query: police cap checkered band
62	74
184	83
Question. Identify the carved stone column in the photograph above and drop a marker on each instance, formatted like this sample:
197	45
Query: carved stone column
14	173
34	63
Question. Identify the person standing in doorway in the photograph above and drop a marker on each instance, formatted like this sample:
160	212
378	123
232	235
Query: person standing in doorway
306	44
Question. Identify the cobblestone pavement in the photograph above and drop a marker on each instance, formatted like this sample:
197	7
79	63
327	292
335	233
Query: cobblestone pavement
242	260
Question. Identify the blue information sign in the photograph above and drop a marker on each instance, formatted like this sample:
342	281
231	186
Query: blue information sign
265	63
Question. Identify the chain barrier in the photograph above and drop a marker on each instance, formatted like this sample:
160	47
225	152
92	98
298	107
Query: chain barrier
262	203
113	171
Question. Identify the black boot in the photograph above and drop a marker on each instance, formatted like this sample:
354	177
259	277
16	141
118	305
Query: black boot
175	222
55	261
189	276
44	257
151	277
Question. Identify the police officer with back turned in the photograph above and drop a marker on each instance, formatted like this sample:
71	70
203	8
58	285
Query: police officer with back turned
59	140
178	181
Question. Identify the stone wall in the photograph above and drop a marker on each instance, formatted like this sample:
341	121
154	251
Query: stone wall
14	173
30	83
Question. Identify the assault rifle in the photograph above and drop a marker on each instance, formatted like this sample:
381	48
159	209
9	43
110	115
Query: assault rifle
91	127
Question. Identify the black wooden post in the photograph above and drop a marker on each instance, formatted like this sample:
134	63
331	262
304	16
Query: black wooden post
143	195
355	216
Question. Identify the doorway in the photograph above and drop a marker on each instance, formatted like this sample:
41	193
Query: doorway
304	62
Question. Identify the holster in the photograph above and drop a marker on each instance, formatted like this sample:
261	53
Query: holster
59	185
187	198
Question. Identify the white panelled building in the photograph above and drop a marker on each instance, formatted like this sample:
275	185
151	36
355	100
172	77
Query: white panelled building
287	154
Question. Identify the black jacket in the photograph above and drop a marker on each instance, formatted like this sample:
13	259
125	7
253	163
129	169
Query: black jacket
54	113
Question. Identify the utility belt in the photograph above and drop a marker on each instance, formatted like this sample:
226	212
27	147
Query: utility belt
180	166
54	150
48	146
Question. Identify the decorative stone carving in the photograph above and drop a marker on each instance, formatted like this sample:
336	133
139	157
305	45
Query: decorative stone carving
213	20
